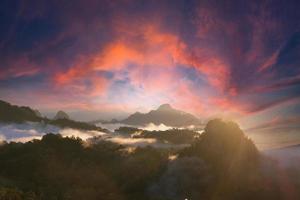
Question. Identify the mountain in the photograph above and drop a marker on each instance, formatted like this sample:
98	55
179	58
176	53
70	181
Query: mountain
37	112
12	113
164	114
19	114
68	123
61	115
102	121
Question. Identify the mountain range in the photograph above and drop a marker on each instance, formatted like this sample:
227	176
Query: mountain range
164	114
20	114
13	113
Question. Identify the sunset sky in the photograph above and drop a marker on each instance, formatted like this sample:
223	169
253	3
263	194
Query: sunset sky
103	59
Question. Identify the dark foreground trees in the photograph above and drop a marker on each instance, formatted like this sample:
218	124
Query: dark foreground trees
221	164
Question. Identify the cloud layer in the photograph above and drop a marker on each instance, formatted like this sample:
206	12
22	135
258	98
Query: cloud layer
210	58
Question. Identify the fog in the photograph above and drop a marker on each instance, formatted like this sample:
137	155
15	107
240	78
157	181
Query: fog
274	138
25	131
33	130
111	127
68	132
270	143
182	178
133	141
153	127
149	127
285	157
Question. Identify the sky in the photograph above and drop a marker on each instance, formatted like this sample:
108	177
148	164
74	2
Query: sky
103	59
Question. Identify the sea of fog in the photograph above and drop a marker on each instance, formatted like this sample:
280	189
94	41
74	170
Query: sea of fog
33	130
281	146
267	139
149	127
264	139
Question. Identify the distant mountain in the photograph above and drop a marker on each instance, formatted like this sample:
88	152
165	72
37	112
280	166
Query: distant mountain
164	114
19	114
12	113
102	121
68	123
61	115
173	136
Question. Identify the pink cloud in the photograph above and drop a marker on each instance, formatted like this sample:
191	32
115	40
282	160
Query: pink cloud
269	61
19	67
277	121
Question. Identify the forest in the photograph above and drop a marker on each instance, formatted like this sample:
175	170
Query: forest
220	164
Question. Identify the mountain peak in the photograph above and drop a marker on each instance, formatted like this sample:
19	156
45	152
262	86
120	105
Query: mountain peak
165	107
61	115
164	114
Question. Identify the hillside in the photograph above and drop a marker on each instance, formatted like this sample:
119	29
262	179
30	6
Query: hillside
13	113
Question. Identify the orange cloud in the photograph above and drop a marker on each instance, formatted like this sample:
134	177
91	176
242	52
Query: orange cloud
148	57
146	46
156	50
185	98
213	67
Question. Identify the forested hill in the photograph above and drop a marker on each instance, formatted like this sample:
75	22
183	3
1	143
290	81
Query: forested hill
13	113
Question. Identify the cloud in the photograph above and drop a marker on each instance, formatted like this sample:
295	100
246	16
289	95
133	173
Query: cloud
153	127
80	133
277	122
21	67
31	130
279	84
26	139
203	57
270	61
254	108
132	141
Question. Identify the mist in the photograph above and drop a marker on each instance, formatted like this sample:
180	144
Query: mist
25	132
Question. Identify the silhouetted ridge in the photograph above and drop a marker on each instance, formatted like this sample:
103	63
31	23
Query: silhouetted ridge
221	142
12	113
164	114
172	136
61	115
19	114
165	107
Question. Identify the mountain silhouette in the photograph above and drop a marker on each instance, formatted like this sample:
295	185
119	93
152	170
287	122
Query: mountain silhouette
13	113
164	114
20	114
61	115
165	107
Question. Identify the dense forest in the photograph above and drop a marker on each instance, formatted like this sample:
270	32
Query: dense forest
220	164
